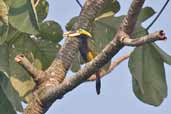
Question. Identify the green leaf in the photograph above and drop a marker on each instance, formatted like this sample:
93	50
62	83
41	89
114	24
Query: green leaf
45	51
146	13
51	30
5	105
22	16
147	69
110	6
19	78
10	92
42	10
71	23
166	58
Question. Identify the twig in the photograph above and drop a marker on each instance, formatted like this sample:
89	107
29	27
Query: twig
155	19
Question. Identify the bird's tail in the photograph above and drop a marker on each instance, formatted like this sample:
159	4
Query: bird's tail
90	56
98	82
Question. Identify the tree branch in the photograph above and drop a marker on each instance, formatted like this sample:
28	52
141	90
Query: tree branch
127	41
36	74
130	20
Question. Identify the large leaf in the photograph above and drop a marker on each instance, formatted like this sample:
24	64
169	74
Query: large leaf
22	16
14	71
10	92
51	30
5	105
112	6
145	14
42	10
147	69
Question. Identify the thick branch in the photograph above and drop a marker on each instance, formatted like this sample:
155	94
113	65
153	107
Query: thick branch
127	41
130	20
36	74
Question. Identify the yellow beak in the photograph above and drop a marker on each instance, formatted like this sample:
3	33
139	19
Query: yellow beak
77	33
84	32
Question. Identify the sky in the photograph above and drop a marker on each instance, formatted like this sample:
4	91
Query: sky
116	92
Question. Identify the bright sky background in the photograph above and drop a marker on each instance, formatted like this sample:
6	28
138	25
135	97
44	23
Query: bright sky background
116	94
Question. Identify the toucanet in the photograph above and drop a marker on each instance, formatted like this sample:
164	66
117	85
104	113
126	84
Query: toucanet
86	53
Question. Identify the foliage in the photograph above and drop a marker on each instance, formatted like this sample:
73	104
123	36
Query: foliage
23	29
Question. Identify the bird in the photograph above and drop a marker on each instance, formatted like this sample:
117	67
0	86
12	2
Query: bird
85	51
